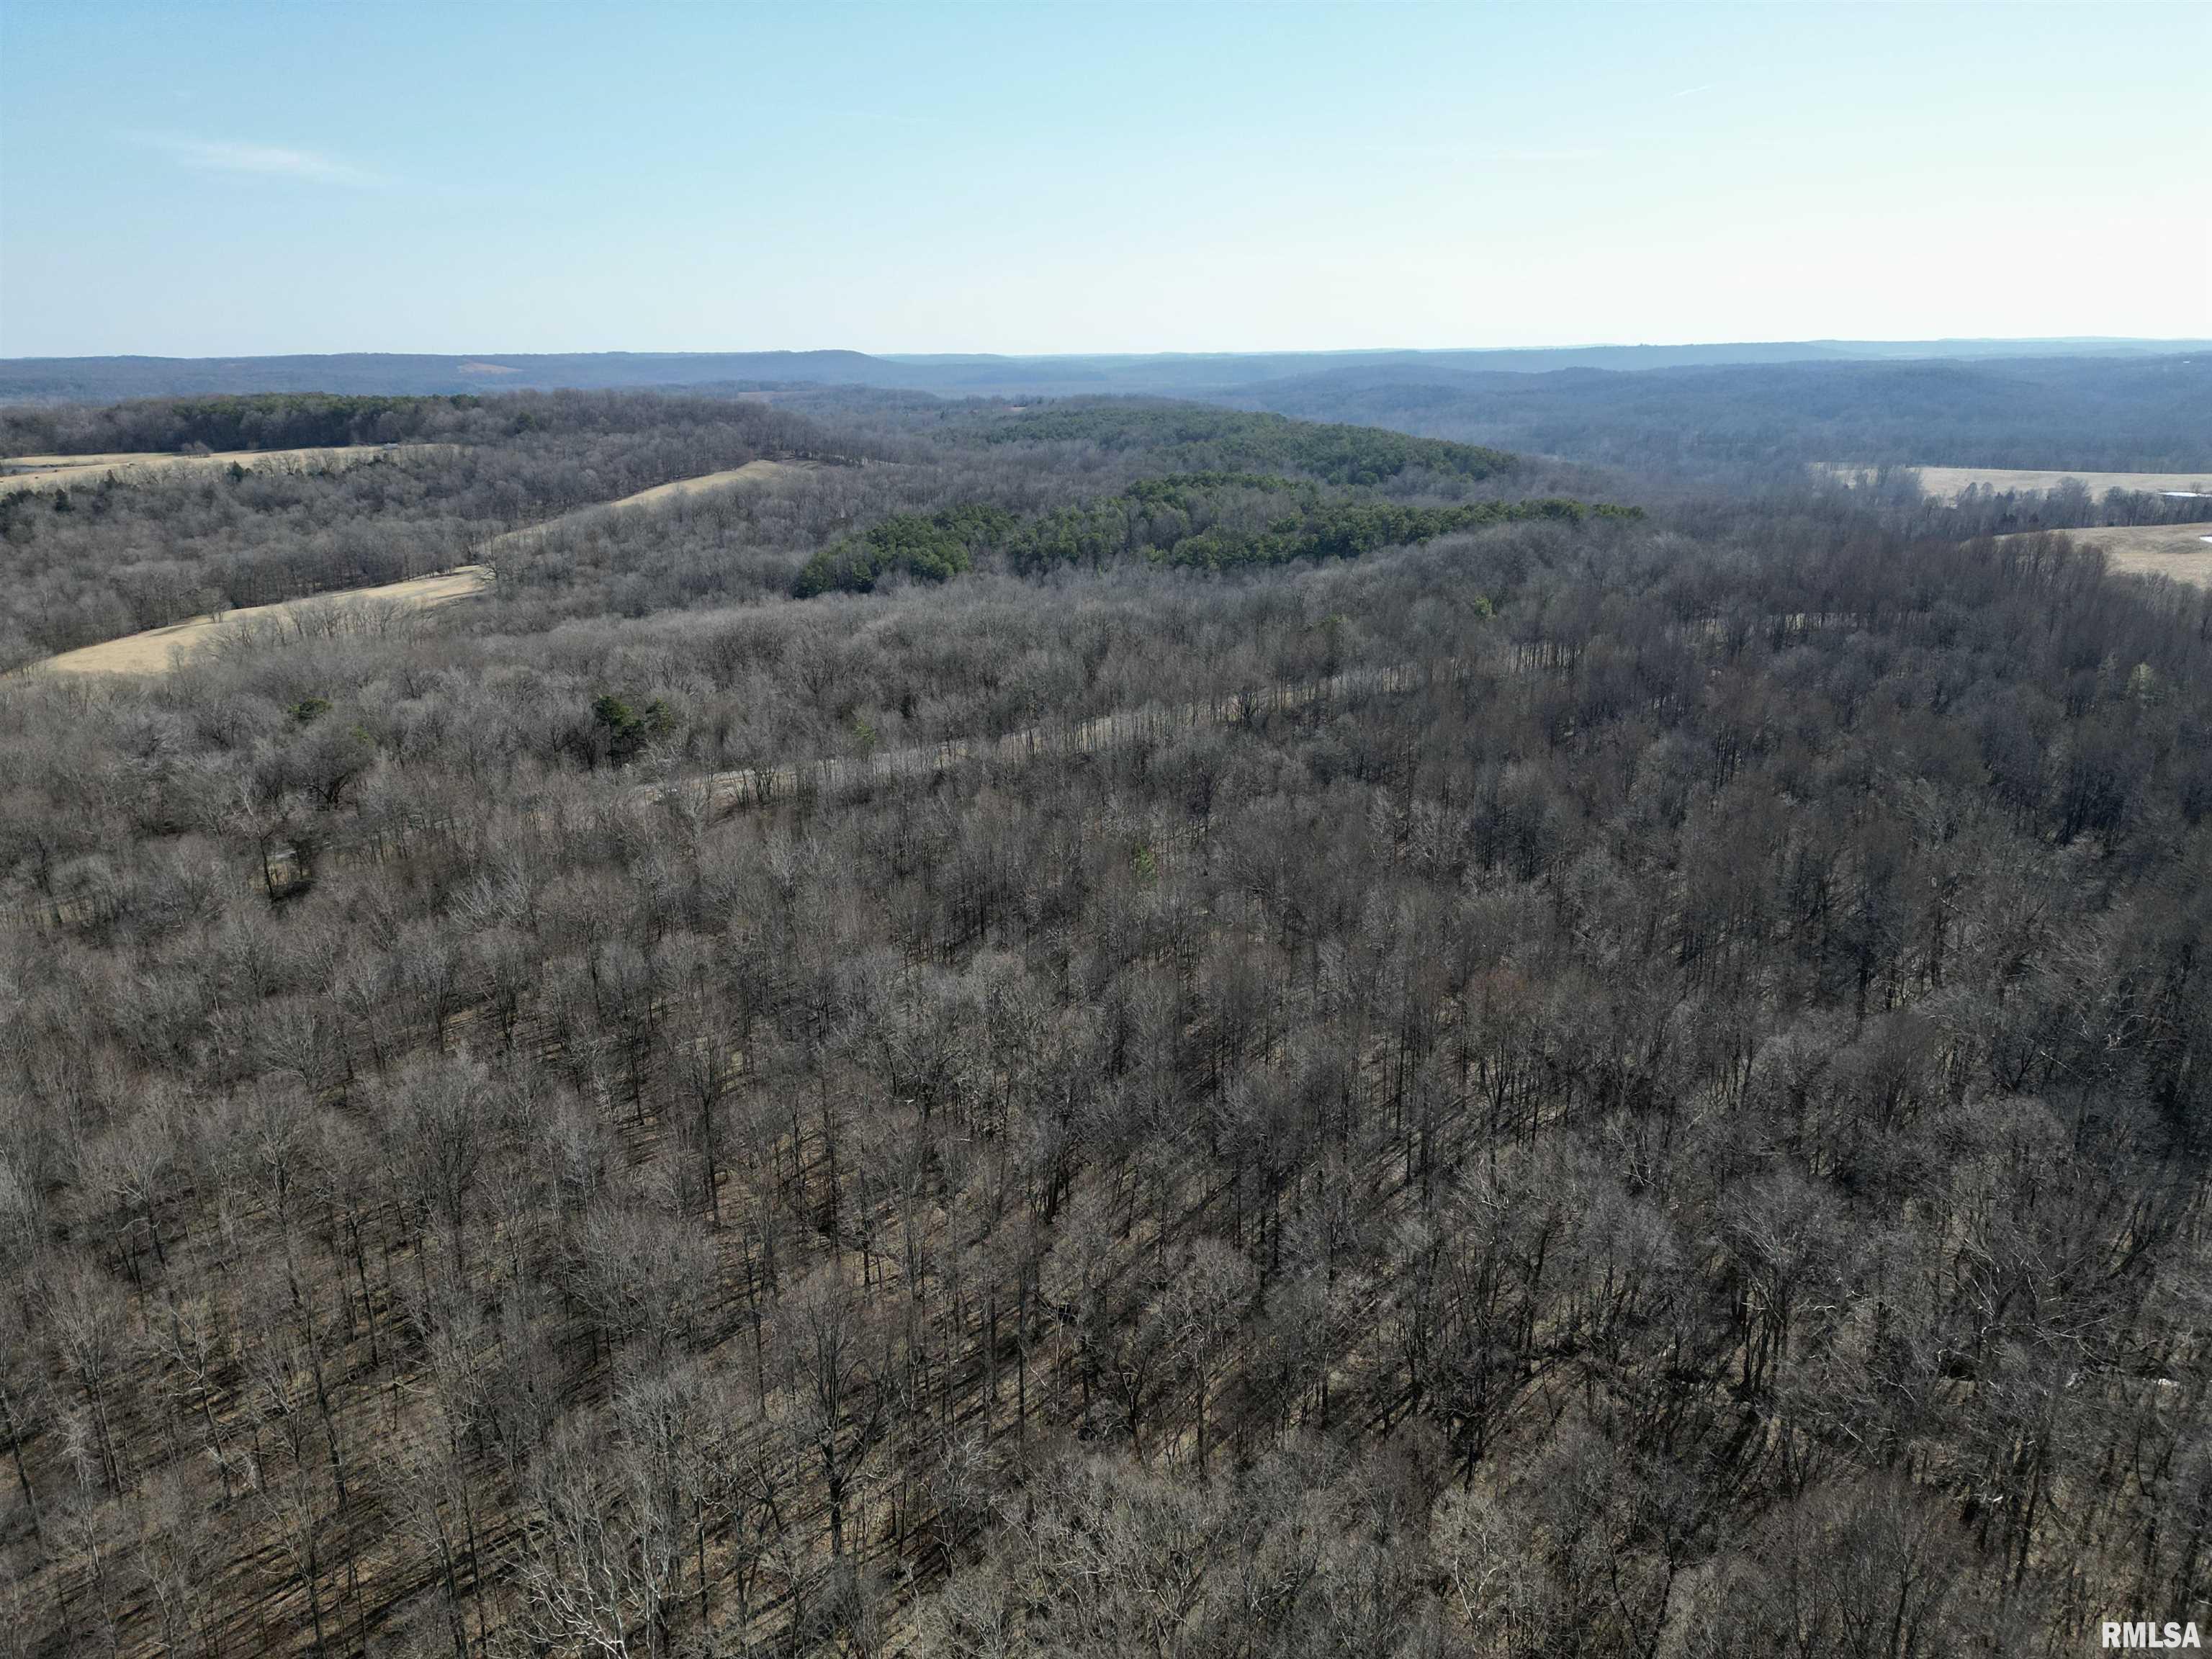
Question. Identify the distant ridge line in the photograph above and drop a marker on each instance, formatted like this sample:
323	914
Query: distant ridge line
107	379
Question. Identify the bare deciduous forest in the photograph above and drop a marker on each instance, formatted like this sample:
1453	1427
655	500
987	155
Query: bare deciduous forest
1098	1029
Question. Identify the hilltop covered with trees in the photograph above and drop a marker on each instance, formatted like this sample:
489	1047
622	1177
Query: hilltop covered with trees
1206	520
1221	439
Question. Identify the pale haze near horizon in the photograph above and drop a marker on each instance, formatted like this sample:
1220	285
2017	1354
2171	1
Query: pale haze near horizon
228	180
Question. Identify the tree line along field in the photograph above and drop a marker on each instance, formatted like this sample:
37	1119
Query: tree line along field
53	472
1309	1045
156	650
357	609
2180	552
1947	483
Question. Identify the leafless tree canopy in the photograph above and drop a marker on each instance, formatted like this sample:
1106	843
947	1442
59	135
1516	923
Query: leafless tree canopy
1597	1084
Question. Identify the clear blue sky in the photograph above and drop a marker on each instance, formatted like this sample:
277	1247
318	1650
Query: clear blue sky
190	178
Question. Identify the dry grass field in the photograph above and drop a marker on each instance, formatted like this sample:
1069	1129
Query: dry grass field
760	471
67	472
2183	552
158	649
667	495
751	473
1947	483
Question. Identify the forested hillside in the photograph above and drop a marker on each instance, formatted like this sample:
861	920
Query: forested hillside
1762	422
1097	1030
267	422
114	556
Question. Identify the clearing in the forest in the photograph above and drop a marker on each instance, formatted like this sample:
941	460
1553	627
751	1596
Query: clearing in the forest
159	649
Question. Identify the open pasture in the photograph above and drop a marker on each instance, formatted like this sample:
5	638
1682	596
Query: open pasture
760	471
2183	552
1947	483
158	649
667	495
69	471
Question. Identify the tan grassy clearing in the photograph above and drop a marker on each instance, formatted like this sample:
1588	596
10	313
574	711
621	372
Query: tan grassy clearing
2183	552
1947	483
69	471
158	649
762	471
750	473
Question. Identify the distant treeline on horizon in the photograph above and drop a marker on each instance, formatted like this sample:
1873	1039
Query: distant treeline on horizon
107	378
